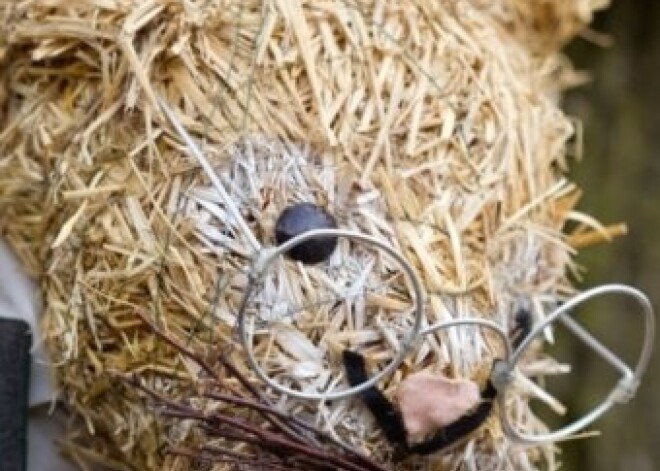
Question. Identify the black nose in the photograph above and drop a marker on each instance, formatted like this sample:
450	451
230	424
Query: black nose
302	217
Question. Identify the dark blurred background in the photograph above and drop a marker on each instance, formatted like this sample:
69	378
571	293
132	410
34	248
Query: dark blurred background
620	174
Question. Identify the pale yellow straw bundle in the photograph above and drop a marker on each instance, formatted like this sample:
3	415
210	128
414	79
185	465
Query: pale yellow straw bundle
432	124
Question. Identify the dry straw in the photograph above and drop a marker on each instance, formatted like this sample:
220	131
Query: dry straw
432	125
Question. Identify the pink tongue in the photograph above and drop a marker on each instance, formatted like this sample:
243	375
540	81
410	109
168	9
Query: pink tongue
430	401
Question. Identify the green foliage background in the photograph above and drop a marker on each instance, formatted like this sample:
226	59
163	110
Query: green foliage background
621	177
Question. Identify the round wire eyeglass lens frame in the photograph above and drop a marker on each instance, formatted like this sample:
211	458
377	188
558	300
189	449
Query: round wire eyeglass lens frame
623	391
503	369
265	258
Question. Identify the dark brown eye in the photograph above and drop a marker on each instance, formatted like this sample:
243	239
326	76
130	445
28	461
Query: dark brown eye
300	218
523	323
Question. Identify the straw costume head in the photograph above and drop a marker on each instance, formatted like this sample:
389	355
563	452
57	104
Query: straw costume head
431	127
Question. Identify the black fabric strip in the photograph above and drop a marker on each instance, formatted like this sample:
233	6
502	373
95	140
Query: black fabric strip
387	417
460	428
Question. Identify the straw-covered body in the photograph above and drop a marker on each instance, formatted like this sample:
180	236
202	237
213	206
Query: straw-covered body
432	125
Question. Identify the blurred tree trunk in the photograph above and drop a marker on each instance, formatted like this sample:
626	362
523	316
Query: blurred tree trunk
620	174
